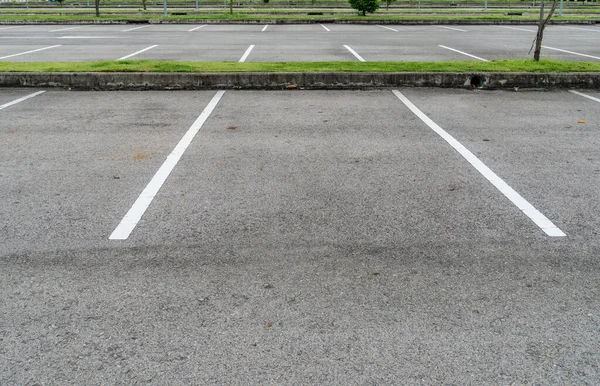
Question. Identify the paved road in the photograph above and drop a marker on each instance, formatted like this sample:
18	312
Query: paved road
303	237
292	42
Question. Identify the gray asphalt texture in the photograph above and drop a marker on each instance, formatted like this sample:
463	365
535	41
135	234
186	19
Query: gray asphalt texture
286	43
305	237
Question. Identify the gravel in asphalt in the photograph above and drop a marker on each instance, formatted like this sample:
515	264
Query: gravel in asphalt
314	237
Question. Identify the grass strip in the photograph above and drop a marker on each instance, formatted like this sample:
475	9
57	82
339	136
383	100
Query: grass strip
399	11
521	65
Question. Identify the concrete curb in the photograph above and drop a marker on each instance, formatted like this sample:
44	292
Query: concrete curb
290	80
299	21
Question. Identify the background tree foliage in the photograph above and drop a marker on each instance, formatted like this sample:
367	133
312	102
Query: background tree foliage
365	6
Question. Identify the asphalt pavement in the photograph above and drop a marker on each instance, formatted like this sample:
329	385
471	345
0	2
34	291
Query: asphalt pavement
303	237
284	43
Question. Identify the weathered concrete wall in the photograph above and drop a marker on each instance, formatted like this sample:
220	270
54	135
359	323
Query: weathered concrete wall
270	81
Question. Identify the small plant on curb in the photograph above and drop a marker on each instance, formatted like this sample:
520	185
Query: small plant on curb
364	6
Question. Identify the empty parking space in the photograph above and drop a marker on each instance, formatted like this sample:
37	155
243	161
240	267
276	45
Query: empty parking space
66	177
310	168
546	150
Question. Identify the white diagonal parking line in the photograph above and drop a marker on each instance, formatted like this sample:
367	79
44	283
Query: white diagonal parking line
464	53
21	99
568	52
264	28
326	29
193	29
29	52
516	29
582	29
245	56
133	29
354	53
135	213
67	29
452	28
585	95
536	216
138	52
391	29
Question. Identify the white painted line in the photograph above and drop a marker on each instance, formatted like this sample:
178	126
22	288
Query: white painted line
264	28
582	29
536	216
452	28
464	53
89	37
135	213
133	29
568	52
139	52
29	52
70	28
354	53
14	26
516	29
585	95
21	99
245	56
326	29
391	29
193	29
27	37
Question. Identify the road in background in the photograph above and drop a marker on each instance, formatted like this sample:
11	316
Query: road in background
287	43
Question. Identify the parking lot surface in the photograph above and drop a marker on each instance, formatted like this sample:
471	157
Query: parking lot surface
315	237
286	43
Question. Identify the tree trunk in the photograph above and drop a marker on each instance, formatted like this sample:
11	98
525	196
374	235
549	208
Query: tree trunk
540	34
97	7
364	13
144	4
231	7
541	26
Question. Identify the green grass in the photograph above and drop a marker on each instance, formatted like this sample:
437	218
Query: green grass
166	66
245	10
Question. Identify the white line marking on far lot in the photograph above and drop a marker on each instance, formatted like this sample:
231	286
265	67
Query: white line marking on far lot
89	37
245	56
354	53
326	29
391	29
585	95
516	29
133	29
264	28
135	213
195	28
29	52
464	53
452	28
536	216
69	28
582	29
14	26
568	52
138	52
21	99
